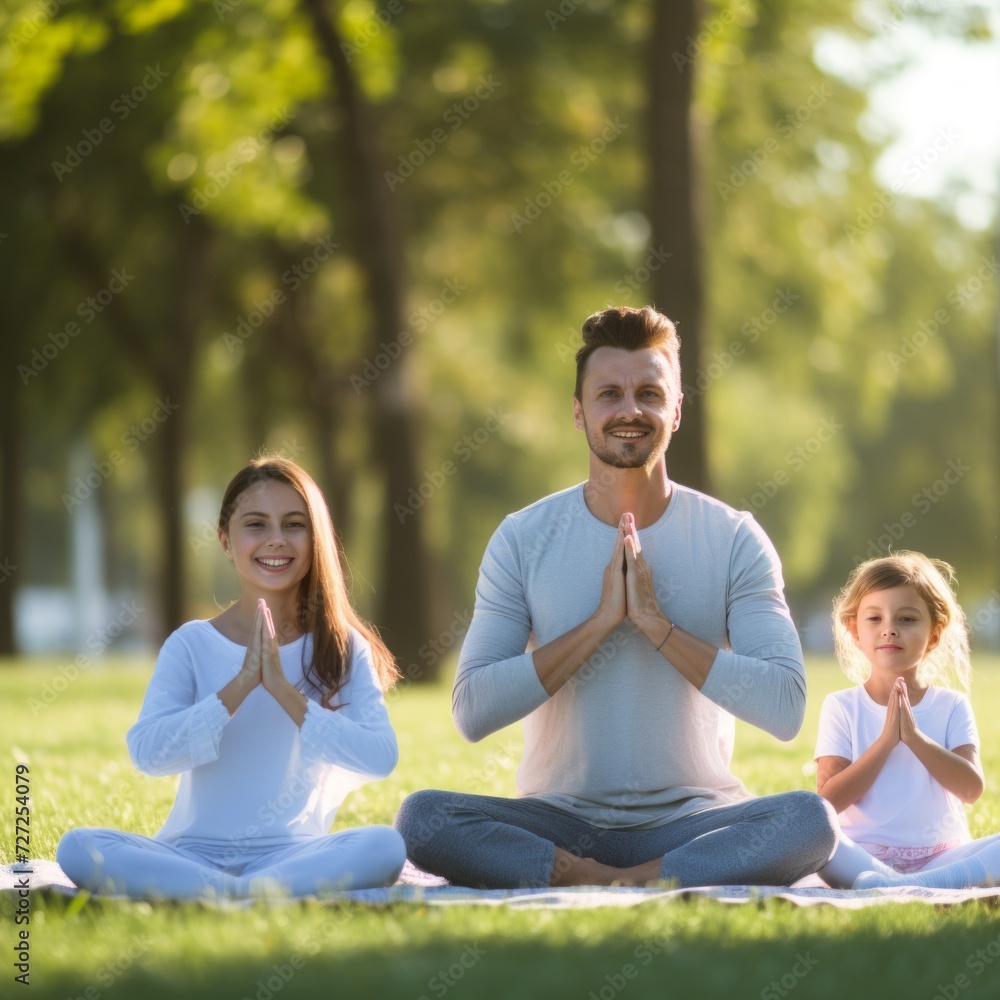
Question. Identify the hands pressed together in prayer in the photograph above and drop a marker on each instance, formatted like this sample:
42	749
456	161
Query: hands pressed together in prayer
262	667
900	725
628	590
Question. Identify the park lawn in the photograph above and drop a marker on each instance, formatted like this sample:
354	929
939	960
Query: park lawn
71	734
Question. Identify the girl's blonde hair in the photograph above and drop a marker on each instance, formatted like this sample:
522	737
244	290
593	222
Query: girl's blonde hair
948	662
324	607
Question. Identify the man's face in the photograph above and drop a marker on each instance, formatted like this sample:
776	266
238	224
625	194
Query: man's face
629	406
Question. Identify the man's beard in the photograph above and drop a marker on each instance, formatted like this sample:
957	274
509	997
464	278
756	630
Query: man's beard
634	454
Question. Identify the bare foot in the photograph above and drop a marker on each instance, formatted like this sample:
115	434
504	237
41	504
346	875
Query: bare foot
569	869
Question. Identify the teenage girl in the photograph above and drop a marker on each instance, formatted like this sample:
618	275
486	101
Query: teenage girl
271	713
898	754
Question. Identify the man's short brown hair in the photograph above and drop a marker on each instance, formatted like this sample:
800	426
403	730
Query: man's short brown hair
630	330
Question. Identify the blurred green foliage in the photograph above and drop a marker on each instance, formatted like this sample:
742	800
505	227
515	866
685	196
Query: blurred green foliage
193	147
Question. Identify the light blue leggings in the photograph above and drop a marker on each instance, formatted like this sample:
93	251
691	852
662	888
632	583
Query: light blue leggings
496	843
111	861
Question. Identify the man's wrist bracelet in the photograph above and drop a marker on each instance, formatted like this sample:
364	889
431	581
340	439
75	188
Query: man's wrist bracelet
673	625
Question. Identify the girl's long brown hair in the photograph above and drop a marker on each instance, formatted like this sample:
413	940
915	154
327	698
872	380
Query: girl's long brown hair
324	608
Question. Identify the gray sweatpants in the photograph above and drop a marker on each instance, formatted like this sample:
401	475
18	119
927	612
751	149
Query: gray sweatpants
496	843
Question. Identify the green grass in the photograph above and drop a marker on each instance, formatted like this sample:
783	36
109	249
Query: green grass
80	774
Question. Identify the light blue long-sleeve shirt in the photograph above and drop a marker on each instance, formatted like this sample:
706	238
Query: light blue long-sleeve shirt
627	741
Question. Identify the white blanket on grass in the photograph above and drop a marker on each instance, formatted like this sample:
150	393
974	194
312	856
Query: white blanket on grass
416	886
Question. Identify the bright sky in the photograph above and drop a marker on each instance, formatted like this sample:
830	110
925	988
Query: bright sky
943	109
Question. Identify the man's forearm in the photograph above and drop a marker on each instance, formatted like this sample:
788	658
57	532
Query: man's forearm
557	661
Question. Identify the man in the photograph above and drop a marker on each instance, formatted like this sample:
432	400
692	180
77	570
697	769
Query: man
626	621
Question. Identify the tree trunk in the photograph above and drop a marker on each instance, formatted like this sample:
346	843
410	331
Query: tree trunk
674	203
404	603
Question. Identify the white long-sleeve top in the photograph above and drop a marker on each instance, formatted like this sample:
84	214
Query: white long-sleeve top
627	741
255	781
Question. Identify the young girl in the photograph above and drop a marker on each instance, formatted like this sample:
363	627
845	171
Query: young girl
897	756
271	713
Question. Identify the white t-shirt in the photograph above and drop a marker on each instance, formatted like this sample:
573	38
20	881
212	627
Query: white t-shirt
256	781
905	806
